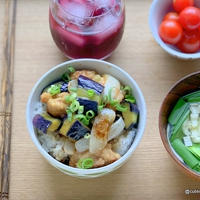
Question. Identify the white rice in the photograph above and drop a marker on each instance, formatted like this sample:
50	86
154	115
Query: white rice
59	147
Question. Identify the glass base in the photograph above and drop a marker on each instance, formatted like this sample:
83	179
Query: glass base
103	58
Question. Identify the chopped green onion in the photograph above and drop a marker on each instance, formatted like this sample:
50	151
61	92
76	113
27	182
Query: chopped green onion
100	107
90	93
177	128
185	154
191	96
54	89
114	102
69	114
74	106
82	118
85	163
178	111
80	109
79	164
66	77
71	97
85	121
87	136
73	89
104	100
130	98
71	70
127	90
90	114
121	108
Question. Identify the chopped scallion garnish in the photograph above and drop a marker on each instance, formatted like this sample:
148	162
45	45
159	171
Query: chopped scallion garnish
74	106
90	93
121	108
87	136
66	77
100	107
80	109
69	114
130	98
90	114
85	163
127	90
71	97
104	100
82	118
71	70
54	89
114	102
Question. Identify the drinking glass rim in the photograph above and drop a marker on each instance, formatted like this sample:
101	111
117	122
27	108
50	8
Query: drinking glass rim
92	17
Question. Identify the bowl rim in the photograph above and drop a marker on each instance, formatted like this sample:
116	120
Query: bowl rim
162	135
85	172
165	46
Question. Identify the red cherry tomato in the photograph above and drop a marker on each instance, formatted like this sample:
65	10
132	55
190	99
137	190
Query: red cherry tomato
179	5
189	18
171	16
190	42
170	31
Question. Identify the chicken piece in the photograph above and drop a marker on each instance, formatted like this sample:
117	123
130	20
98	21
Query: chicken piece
56	105
61	96
88	73
45	96
99	79
102	158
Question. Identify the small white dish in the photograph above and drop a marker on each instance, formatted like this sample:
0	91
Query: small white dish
101	67
159	8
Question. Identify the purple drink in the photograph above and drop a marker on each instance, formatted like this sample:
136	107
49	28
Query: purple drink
87	28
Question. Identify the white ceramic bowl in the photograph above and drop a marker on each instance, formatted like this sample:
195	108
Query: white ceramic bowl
101	67
159	8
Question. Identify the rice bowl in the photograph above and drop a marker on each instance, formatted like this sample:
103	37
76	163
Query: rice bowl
101	67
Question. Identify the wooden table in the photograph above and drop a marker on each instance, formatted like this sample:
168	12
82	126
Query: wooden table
150	173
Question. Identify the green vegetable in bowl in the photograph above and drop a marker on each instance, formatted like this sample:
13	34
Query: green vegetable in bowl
186	155
184	123
177	111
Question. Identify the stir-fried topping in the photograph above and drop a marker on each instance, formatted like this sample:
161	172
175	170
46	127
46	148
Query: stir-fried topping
90	111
